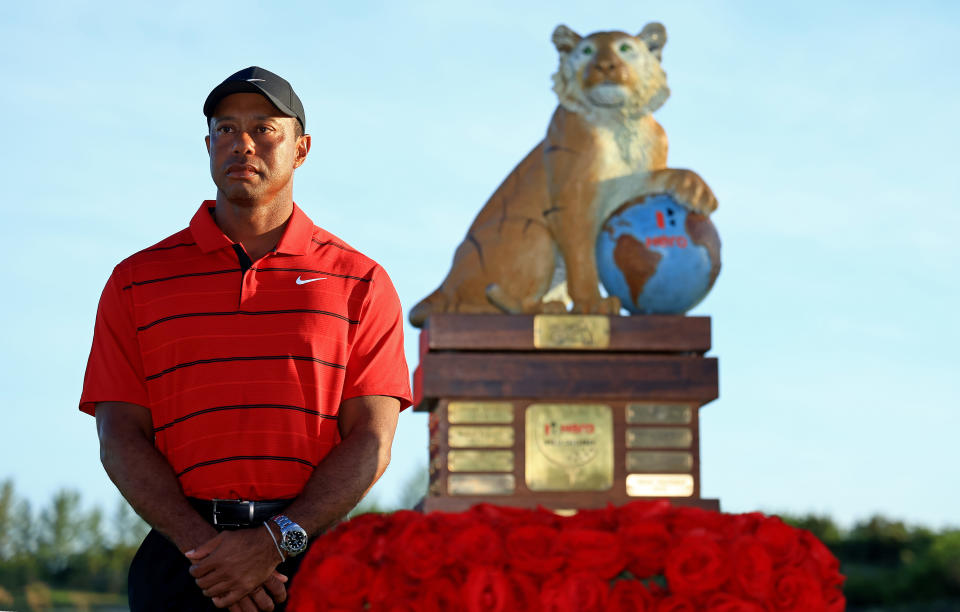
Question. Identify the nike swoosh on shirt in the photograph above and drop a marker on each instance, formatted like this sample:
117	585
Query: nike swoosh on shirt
300	281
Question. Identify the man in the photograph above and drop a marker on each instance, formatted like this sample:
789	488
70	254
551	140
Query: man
246	373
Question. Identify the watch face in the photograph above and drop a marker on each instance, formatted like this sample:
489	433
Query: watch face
295	540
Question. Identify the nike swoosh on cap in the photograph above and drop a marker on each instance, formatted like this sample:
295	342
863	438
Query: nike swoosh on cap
256	80
300	281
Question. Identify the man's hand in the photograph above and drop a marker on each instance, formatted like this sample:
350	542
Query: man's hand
236	564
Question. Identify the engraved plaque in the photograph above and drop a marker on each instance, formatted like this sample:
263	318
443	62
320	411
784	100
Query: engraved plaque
659	437
480	412
481	484
480	461
659	485
460	436
569	447
658	414
659	461
571	331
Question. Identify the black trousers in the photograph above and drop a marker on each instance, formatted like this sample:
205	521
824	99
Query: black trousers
159	579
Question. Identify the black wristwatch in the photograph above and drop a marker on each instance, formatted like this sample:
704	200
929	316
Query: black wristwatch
293	539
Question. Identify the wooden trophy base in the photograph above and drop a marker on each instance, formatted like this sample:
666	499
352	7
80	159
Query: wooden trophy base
564	411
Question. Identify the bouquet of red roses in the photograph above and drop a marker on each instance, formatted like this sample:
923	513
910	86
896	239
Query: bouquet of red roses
642	556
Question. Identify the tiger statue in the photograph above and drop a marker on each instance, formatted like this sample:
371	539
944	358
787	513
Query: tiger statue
602	148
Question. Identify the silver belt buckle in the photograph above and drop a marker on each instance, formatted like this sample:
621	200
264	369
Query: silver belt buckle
216	515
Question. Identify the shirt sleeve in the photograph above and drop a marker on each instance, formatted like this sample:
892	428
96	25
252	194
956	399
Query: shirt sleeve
377	365
115	367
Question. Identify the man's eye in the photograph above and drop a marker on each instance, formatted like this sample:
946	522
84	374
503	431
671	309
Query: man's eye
223	129
263	129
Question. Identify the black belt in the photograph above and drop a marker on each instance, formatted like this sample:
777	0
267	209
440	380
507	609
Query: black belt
232	513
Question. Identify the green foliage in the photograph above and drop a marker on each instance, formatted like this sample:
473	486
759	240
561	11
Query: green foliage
888	563
64	546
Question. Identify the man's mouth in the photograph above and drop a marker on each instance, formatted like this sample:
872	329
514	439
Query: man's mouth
241	171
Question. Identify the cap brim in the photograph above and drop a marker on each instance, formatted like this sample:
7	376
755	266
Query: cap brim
223	90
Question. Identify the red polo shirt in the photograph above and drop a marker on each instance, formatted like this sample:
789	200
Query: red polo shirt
243	365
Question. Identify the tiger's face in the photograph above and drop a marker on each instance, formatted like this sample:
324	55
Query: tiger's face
611	76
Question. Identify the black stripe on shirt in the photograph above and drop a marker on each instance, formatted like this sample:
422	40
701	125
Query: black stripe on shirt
247	312
243	458
334	244
243	407
166	278
245	358
167	248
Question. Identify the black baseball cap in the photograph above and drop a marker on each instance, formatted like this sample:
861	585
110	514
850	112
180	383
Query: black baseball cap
258	80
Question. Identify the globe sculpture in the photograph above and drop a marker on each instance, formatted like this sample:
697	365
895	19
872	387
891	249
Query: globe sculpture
657	256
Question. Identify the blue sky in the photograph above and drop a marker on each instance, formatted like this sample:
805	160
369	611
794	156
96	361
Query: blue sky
829	135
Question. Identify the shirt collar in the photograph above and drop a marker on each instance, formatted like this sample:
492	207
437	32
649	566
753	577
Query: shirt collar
209	237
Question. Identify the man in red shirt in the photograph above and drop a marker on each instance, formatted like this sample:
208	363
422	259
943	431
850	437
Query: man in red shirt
246	373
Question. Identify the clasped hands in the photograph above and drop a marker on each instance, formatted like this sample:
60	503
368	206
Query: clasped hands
237	569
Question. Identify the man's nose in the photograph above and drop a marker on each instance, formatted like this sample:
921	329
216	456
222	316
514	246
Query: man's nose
243	144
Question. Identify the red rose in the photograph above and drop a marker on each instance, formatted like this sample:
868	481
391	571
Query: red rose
781	541
390	584
602	520
505	516
687	519
696	565
526	593
630	596
533	549
797	591
478	544
593	551
752	569
419	550
487	590
340	581
439	595
834	600
824	563
642	511
676	603
724	602
744	524
645	546
574	593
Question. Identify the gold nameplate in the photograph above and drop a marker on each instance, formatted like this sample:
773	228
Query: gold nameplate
571	331
465	436
480	412
658	414
659	437
569	447
659	461
659	485
480	461
481	484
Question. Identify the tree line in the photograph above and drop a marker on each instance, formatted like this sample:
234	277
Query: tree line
63	546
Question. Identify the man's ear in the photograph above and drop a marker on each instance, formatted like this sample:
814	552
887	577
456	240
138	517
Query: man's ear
206	139
303	148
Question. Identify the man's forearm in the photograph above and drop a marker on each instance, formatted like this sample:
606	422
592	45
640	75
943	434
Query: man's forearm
147	481
340	481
